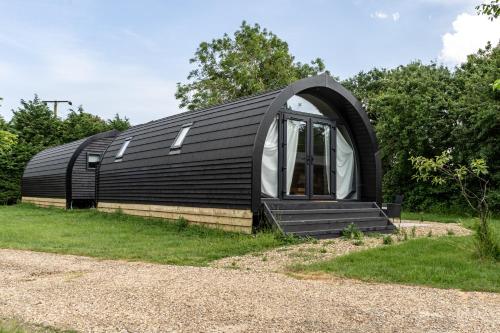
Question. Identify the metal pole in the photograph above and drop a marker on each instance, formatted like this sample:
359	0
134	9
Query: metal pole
55	109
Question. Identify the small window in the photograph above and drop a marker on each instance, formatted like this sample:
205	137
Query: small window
121	152
93	160
181	136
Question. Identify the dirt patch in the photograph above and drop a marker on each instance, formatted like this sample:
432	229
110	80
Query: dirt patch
92	295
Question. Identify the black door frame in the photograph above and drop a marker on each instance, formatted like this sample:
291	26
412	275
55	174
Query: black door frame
309	119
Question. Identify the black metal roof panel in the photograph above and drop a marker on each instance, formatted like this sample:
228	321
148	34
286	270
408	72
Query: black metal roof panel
48	173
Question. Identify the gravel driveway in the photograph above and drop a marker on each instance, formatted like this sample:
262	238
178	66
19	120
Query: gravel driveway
85	294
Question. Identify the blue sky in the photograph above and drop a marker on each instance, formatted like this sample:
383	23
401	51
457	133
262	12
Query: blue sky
126	56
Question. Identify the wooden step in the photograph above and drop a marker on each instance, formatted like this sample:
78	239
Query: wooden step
313	225
324	213
324	219
330	233
300	205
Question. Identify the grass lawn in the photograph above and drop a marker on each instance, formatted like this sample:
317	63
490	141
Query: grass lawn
119	236
465	220
444	262
14	326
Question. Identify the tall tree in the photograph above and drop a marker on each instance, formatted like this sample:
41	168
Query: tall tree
251	61
80	124
35	124
118	123
477	113
9	187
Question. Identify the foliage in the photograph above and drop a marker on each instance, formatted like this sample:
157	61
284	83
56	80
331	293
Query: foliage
491	9
8	188
3	125
35	124
422	110
35	128
119	236
118	123
473	183
79	124
252	61
387	240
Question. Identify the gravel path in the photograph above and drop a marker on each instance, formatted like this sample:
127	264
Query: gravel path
90	295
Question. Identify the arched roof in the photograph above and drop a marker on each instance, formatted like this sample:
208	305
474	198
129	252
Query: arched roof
51	169
219	162
328	90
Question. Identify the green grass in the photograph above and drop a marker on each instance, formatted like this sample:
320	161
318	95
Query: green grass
120	236
15	326
443	262
465	220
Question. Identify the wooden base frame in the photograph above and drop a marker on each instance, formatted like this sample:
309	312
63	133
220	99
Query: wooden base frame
239	220
45	202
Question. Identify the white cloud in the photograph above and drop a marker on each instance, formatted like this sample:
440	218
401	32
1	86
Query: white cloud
470	33
381	15
72	71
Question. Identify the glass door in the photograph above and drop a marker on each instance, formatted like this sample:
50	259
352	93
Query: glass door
307	158
295	163
321	160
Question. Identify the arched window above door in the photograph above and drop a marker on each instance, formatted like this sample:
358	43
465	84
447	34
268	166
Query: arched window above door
298	103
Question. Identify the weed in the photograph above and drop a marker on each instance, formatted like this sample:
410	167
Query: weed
352	232
387	240
429	234
287	239
358	242
323	250
181	224
450	232
264	258
414	232
485	240
405	234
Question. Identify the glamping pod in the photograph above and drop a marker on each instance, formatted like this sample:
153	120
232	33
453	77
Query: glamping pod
65	176
304	158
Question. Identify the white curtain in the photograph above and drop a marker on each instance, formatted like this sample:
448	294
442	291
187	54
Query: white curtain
269	178
327	156
292	142
345	166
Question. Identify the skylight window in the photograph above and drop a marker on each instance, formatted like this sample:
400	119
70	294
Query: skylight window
181	136
93	160
121	152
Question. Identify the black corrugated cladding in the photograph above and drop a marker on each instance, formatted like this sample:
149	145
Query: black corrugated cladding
220	160
45	174
84	179
50	173
213	168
